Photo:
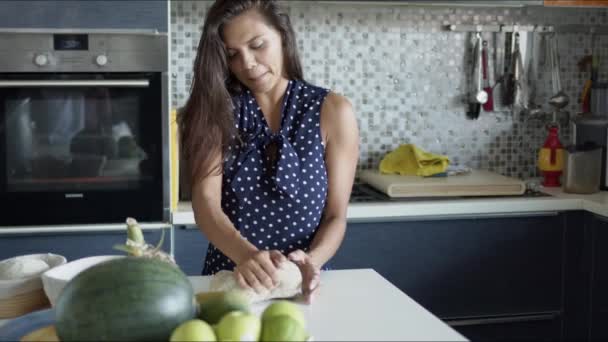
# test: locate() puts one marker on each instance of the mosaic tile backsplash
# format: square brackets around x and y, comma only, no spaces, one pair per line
[408,78]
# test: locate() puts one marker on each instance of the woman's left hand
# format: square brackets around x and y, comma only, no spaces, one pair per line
[311,274]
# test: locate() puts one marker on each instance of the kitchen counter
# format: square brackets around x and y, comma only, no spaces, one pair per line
[360,305]
[458,207]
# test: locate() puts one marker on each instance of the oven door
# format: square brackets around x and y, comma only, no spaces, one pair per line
[80,148]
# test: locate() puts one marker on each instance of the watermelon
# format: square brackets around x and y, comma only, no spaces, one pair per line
[126,299]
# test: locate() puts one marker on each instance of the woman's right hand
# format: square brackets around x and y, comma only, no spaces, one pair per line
[259,271]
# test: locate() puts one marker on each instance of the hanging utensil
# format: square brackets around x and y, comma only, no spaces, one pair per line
[532,74]
[499,55]
[520,84]
[560,99]
[479,96]
[499,66]
[488,106]
[508,76]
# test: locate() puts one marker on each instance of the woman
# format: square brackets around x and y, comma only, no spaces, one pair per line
[272,157]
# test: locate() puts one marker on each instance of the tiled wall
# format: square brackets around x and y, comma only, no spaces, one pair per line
[407,76]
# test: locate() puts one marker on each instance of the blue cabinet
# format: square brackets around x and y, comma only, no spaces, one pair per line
[598,328]
[190,249]
[465,267]
[543,327]
[73,245]
[487,276]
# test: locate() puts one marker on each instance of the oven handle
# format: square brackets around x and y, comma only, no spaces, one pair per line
[74,83]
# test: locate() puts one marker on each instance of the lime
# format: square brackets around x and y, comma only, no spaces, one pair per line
[213,306]
[193,330]
[239,326]
[283,328]
[284,307]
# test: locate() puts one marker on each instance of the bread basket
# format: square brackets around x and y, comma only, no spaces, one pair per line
[24,294]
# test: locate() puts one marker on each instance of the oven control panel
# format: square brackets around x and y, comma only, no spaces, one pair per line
[83,52]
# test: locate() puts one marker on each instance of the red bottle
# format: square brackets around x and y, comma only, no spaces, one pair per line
[551,159]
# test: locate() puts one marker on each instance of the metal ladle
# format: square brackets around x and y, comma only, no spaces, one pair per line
[481,96]
[478,96]
[560,99]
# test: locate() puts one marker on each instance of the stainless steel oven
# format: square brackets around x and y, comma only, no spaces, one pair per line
[83,127]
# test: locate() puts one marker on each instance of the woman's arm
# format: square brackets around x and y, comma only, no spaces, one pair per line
[214,223]
[339,125]
[254,268]
[341,136]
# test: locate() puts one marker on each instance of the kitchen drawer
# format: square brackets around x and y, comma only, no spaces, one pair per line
[74,245]
[190,247]
[541,327]
[598,330]
[465,267]
[599,326]
[600,263]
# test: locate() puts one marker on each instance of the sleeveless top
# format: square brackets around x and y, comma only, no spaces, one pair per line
[274,185]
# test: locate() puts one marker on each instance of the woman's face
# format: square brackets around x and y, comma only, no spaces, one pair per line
[255,51]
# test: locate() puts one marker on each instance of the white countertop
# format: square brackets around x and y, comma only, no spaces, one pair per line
[558,201]
[360,305]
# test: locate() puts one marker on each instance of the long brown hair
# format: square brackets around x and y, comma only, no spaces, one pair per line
[206,122]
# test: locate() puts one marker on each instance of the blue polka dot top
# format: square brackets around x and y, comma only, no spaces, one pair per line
[275,184]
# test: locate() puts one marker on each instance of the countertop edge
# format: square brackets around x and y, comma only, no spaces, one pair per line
[457,208]
[397,211]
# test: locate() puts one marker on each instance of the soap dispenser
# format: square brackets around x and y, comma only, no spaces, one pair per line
[551,159]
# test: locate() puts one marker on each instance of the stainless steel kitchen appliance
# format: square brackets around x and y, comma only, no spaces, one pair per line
[594,130]
[582,169]
[83,127]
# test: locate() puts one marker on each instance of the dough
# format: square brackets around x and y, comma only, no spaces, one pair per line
[290,284]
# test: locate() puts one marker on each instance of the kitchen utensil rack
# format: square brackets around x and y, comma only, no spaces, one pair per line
[593,29]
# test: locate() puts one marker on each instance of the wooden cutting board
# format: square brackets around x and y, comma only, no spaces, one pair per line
[476,183]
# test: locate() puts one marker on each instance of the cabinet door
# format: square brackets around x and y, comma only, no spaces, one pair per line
[576,3]
[599,280]
[190,248]
[466,267]
[544,327]
[74,245]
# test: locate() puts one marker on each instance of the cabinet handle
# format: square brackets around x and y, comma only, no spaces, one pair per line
[502,320]
[453,217]
[74,83]
[85,228]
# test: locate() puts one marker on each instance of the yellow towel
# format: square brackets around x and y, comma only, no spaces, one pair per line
[409,160]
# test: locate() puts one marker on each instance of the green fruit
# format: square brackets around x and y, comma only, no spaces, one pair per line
[239,326]
[193,330]
[125,299]
[203,297]
[283,328]
[284,307]
[216,306]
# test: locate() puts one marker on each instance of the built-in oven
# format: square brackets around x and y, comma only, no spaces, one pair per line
[83,127]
